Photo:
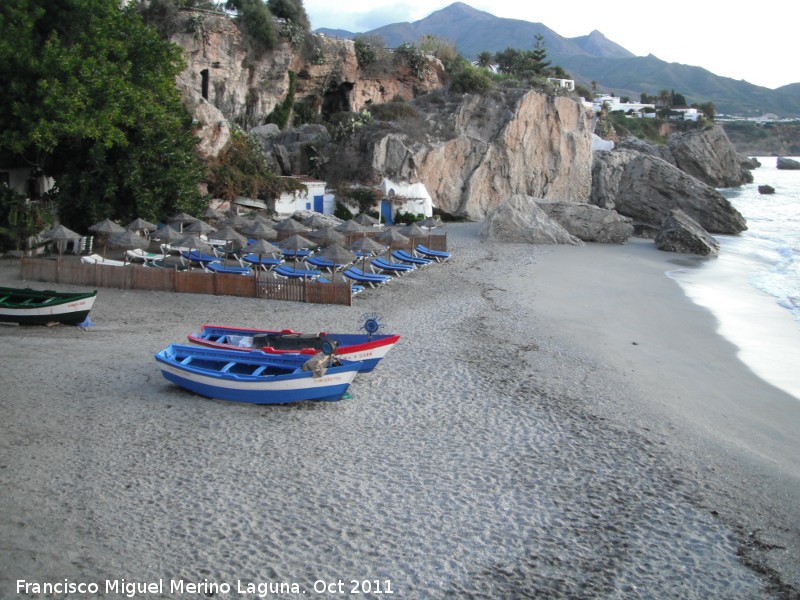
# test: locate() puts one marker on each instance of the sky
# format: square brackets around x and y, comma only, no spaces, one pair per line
[755,45]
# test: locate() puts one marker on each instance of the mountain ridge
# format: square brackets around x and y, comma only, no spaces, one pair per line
[589,58]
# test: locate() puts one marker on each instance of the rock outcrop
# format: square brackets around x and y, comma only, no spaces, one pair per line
[647,188]
[709,155]
[245,87]
[680,233]
[475,154]
[787,163]
[520,220]
[766,189]
[589,223]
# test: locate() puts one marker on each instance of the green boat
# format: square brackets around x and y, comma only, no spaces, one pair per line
[26,306]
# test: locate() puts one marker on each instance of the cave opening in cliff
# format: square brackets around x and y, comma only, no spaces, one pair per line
[336,99]
[204,83]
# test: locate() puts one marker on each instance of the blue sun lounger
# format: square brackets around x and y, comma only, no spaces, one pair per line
[436,255]
[406,257]
[266,262]
[397,268]
[293,273]
[373,280]
[217,267]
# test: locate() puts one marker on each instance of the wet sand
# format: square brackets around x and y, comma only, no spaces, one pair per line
[554,422]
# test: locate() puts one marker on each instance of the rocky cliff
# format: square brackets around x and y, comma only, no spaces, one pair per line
[473,152]
[243,87]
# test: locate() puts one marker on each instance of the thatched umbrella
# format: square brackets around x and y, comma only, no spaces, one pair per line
[199,227]
[326,235]
[338,254]
[262,247]
[214,214]
[61,235]
[295,242]
[232,237]
[290,226]
[127,240]
[366,247]
[260,231]
[351,227]
[365,219]
[138,225]
[237,222]
[393,238]
[167,235]
[413,230]
[315,221]
[105,229]
[182,219]
[193,241]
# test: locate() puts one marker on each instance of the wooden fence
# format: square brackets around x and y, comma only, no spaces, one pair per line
[137,277]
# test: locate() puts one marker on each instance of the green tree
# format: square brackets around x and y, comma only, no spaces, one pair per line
[91,101]
[291,10]
[255,19]
[485,59]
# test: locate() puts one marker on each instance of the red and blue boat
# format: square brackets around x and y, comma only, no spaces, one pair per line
[367,348]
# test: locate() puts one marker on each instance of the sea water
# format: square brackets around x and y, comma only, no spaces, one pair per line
[753,286]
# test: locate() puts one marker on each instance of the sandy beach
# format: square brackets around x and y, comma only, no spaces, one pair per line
[555,422]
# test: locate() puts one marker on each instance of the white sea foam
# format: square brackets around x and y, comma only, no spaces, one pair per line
[753,287]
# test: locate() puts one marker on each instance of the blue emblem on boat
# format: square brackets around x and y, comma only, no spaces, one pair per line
[372,324]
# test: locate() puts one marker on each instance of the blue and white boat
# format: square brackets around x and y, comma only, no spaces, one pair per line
[254,377]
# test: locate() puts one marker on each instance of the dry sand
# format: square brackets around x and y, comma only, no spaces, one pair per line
[554,422]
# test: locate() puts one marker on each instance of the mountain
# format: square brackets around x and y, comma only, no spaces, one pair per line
[590,58]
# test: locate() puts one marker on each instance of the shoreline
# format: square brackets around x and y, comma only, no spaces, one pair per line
[554,420]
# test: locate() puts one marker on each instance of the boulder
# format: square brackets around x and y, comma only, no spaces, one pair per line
[708,155]
[647,147]
[520,220]
[589,223]
[647,188]
[680,233]
[787,163]
[766,189]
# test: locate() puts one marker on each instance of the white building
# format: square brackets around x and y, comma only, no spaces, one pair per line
[566,84]
[635,109]
[311,199]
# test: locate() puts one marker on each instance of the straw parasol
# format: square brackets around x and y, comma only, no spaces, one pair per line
[61,235]
[138,225]
[237,222]
[338,254]
[182,219]
[193,241]
[199,227]
[365,219]
[127,240]
[260,231]
[326,235]
[261,247]
[231,237]
[394,238]
[295,242]
[366,247]
[289,225]
[413,230]
[214,214]
[351,227]
[315,221]
[167,235]
[105,229]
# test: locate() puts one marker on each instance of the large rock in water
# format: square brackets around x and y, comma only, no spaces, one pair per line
[520,220]
[680,233]
[647,188]
[709,155]
[787,163]
[589,223]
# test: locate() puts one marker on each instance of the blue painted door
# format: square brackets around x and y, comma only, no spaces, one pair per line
[318,204]
[386,212]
